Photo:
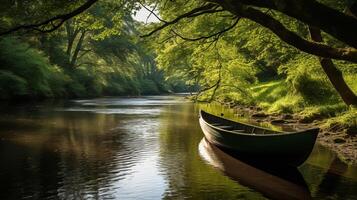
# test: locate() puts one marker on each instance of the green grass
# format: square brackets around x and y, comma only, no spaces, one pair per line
[351,81]
[269,92]
[345,120]
[274,97]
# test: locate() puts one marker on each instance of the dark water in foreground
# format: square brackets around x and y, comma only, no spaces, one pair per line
[142,148]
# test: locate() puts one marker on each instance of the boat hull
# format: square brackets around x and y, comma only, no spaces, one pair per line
[281,183]
[291,149]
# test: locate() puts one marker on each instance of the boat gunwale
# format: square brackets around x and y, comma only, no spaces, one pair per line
[280,133]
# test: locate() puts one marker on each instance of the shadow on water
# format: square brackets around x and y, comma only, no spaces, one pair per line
[275,183]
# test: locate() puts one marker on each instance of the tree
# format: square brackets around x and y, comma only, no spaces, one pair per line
[312,13]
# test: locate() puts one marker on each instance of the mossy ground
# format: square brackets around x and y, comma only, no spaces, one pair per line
[274,98]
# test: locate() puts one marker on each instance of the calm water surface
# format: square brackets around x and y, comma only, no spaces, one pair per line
[142,148]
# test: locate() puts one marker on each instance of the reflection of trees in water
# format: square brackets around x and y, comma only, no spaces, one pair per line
[333,185]
[325,174]
[186,174]
[65,154]
[26,172]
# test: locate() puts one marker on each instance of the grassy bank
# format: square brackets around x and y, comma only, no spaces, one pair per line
[273,97]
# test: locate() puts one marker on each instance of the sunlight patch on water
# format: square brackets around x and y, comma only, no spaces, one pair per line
[145,181]
[139,101]
[122,111]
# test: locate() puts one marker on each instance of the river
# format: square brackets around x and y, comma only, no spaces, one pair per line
[139,148]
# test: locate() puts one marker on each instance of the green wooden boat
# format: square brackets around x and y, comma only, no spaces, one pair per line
[256,143]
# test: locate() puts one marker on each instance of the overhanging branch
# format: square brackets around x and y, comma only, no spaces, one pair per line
[152,12]
[264,19]
[55,21]
[208,8]
[214,35]
[311,12]
[314,48]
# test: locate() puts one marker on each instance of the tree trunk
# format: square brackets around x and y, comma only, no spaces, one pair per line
[333,73]
[353,9]
[71,36]
[78,48]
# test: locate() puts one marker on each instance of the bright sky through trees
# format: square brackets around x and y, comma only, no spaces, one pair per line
[142,16]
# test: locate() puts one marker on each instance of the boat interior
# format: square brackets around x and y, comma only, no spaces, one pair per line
[235,127]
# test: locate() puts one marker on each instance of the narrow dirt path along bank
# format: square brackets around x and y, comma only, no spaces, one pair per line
[343,142]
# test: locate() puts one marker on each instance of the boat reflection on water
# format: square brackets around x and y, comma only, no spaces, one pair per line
[274,183]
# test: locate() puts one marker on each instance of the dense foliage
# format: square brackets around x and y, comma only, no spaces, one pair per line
[96,53]
[248,64]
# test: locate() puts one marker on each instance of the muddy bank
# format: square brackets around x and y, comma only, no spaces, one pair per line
[340,141]
[343,144]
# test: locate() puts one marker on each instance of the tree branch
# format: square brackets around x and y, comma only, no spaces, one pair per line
[151,13]
[217,34]
[84,52]
[292,38]
[264,19]
[60,18]
[202,10]
[311,12]
[218,82]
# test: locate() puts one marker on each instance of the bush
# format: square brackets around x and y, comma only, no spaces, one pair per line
[114,89]
[12,85]
[313,89]
[27,64]
[305,77]
[75,89]
[148,87]
[58,81]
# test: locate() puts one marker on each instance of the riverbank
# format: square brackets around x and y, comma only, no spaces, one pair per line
[334,135]
[281,103]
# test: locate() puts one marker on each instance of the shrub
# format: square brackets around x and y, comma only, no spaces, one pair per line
[28,64]
[12,85]
[305,77]
[148,87]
